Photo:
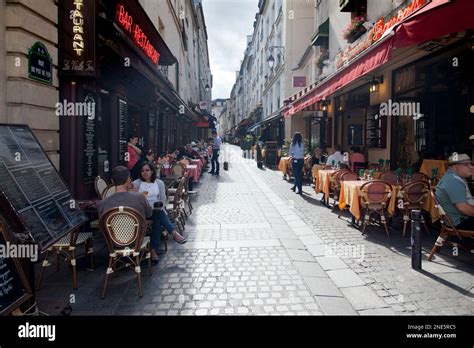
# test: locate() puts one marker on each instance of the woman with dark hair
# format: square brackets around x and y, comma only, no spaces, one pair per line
[297,160]
[155,192]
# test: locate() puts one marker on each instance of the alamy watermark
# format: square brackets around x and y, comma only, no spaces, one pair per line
[408,109]
[78,109]
[22,251]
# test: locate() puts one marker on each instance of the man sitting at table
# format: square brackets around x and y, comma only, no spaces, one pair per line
[190,152]
[337,157]
[453,192]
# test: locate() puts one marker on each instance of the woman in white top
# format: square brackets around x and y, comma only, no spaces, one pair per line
[297,160]
[155,192]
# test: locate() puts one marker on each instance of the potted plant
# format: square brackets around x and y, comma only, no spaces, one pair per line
[355,29]
[247,142]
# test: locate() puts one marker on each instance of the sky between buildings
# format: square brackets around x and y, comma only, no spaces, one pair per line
[228,24]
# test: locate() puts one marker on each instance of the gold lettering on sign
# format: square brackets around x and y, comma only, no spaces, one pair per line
[78,44]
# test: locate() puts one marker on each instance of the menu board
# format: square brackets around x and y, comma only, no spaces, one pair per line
[14,289]
[34,188]
[123,127]
[375,128]
[90,167]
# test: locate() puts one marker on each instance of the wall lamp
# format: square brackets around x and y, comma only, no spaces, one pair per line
[375,83]
[324,105]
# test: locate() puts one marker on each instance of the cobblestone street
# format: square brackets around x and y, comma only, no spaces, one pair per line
[254,247]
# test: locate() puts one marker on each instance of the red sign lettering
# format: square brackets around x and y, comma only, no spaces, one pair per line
[137,35]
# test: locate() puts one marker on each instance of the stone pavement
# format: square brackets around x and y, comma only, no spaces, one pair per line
[257,248]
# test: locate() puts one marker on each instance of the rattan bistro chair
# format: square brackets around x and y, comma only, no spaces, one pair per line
[374,199]
[66,247]
[178,169]
[389,177]
[413,196]
[100,184]
[448,229]
[124,232]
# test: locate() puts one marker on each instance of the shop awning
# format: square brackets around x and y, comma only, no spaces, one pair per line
[436,19]
[378,55]
[245,122]
[272,118]
[321,35]
[202,122]
[253,128]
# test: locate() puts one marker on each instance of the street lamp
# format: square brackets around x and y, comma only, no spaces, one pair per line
[271,59]
[207,88]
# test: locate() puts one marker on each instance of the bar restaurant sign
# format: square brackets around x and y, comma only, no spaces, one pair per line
[40,64]
[380,28]
[132,28]
[77,37]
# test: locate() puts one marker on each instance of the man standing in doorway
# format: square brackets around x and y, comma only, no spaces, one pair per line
[216,146]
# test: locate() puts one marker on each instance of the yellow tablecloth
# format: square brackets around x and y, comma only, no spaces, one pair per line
[283,164]
[428,164]
[324,181]
[350,195]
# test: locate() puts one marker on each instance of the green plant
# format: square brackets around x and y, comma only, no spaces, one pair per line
[247,142]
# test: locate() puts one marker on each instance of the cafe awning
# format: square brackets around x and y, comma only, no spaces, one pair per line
[253,128]
[321,35]
[434,20]
[245,122]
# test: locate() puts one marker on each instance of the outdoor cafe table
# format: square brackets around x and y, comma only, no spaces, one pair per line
[324,181]
[350,195]
[429,164]
[199,163]
[191,171]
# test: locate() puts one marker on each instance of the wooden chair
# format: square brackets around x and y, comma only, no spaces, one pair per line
[124,231]
[374,199]
[389,177]
[109,191]
[349,176]
[419,177]
[178,169]
[448,229]
[67,247]
[175,206]
[335,185]
[100,184]
[413,195]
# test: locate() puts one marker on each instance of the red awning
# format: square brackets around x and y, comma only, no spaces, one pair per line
[438,18]
[368,62]
[202,122]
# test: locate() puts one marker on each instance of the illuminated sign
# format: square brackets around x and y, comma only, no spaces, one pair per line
[78,27]
[136,33]
[376,33]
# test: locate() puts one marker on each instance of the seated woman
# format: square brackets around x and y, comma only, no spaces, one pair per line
[318,157]
[155,192]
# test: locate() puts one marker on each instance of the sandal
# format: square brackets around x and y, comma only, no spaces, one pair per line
[181,241]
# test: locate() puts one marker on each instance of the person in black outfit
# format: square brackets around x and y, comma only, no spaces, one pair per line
[318,157]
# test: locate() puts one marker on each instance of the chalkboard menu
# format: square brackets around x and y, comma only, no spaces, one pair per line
[375,128]
[90,165]
[123,128]
[355,135]
[14,288]
[34,188]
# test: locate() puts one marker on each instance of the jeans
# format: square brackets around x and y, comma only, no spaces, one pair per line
[214,161]
[298,173]
[160,218]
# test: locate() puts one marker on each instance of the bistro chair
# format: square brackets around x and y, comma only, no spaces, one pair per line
[419,177]
[448,229]
[175,206]
[178,169]
[413,195]
[389,177]
[124,232]
[348,176]
[159,170]
[289,169]
[100,184]
[109,191]
[66,247]
[335,185]
[374,199]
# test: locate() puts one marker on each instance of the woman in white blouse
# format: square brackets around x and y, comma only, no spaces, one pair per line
[155,191]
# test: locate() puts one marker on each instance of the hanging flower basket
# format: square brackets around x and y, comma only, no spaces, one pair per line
[355,29]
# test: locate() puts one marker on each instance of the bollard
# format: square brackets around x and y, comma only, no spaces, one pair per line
[416,239]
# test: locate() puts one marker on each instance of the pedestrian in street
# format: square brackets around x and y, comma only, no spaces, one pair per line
[216,147]
[297,159]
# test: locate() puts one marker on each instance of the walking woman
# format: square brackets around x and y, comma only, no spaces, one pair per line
[297,158]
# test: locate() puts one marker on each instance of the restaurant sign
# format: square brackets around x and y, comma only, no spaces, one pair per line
[77,37]
[377,32]
[40,64]
[134,31]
